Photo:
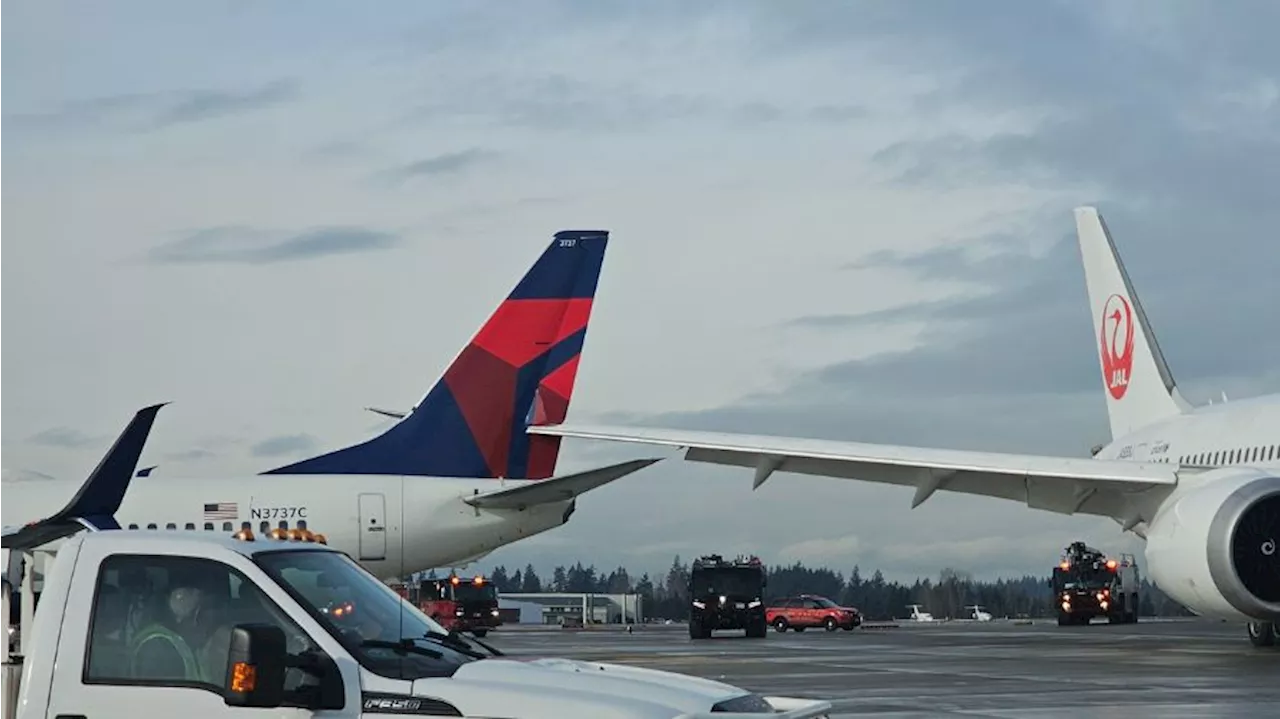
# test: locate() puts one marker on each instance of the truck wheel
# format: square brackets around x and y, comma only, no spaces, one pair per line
[697,631]
[757,629]
[1262,634]
[780,624]
[831,624]
[1064,620]
[479,633]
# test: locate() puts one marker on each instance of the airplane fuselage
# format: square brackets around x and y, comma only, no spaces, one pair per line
[392,525]
[1243,432]
[1204,442]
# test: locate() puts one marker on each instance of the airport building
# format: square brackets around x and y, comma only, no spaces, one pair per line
[569,608]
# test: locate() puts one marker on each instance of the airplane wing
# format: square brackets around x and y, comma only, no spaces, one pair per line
[1060,484]
[94,506]
[556,489]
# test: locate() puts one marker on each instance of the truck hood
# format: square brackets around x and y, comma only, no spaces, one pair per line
[552,687]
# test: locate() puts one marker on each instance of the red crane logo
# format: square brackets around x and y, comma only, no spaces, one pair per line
[1116,343]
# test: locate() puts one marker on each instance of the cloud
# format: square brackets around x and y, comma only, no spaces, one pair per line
[202,105]
[284,444]
[140,112]
[191,455]
[23,475]
[445,164]
[63,437]
[819,552]
[246,245]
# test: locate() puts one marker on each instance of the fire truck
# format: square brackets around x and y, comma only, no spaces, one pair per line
[1087,584]
[464,605]
[727,594]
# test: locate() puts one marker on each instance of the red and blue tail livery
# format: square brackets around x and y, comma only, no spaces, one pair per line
[518,370]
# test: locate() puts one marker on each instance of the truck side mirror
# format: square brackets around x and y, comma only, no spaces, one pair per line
[255,666]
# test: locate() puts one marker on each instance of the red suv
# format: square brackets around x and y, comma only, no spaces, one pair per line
[807,610]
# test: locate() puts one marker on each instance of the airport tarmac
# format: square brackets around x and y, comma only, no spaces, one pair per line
[997,669]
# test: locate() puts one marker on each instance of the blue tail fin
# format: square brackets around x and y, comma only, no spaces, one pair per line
[94,506]
[518,370]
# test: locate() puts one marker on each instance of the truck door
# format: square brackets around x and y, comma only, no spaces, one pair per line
[373,529]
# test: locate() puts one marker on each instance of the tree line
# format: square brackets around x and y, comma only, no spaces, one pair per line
[666,597]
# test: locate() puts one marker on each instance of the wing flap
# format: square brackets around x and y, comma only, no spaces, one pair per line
[557,489]
[1061,484]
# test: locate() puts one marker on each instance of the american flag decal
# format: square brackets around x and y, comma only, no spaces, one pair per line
[221,510]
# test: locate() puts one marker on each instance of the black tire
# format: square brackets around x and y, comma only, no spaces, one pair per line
[831,624]
[758,629]
[1262,634]
[479,633]
[696,631]
[780,624]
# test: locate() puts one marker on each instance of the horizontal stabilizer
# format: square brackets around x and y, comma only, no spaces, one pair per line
[557,489]
[394,414]
[95,505]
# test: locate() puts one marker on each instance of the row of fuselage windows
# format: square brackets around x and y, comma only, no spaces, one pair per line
[1223,457]
[263,527]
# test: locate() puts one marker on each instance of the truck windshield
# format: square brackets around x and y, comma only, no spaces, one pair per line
[468,592]
[731,582]
[385,633]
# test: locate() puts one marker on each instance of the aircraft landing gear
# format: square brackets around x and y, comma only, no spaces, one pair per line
[1262,634]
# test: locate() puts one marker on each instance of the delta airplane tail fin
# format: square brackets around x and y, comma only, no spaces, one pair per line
[1139,385]
[517,371]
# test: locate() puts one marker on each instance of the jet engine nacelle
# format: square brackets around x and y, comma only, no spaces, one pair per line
[1212,546]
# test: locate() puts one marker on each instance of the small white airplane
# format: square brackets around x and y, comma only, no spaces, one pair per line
[1200,484]
[917,615]
[977,615]
[454,479]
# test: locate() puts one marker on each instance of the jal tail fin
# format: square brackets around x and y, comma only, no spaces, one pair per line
[1139,386]
[518,370]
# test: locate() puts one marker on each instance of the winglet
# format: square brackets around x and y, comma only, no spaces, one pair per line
[94,506]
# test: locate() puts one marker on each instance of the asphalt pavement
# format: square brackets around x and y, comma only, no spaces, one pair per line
[1170,669]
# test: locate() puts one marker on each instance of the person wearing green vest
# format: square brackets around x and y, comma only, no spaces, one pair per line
[164,647]
[158,652]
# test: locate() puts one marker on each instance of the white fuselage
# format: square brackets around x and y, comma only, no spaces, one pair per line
[393,525]
[1243,434]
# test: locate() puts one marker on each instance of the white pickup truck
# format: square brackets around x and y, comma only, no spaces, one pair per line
[173,624]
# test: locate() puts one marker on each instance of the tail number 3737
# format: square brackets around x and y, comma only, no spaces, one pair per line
[278,512]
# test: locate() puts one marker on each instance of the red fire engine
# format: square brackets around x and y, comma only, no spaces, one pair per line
[459,604]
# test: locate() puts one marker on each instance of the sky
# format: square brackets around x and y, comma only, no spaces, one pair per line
[847,221]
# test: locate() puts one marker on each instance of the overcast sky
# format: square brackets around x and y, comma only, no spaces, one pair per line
[845,221]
